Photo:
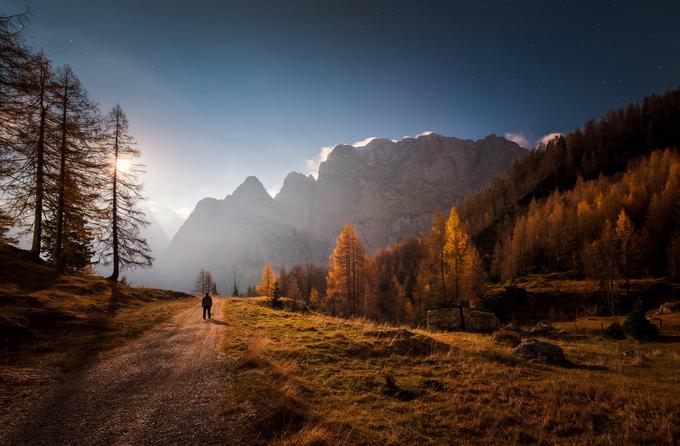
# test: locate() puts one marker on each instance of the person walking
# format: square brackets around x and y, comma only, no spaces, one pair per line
[207,304]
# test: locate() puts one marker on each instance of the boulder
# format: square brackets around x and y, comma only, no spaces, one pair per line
[448,319]
[512,327]
[669,307]
[546,330]
[480,321]
[401,342]
[445,319]
[533,349]
[541,329]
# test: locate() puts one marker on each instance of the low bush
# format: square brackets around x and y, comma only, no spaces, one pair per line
[637,326]
[614,331]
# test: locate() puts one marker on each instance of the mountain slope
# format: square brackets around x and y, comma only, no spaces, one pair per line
[387,189]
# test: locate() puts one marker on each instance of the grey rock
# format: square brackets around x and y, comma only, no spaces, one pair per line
[533,349]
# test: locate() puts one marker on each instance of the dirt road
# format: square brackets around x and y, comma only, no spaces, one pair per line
[161,388]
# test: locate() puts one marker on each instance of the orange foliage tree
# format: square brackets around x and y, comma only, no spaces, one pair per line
[347,275]
[267,281]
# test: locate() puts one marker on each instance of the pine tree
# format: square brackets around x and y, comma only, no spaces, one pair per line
[275,294]
[122,243]
[235,291]
[283,280]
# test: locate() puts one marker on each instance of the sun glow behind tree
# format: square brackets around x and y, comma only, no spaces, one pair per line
[123,165]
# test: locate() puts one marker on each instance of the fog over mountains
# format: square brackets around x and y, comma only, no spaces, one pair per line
[388,189]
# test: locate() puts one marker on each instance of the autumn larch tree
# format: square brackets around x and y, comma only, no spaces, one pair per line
[122,242]
[347,275]
[28,123]
[463,262]
[74,180]
[436,242]
[267,281]
[625,234]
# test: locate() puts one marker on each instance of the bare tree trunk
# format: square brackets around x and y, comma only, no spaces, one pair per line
[443,276]
[58,248]
[40,166]
[116,255]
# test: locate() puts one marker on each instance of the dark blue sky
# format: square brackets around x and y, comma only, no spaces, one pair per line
[216,91]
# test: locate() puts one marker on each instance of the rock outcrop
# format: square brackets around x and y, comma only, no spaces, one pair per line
[448,319]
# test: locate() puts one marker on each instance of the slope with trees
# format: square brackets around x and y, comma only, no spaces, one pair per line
[602,147]
[60,182]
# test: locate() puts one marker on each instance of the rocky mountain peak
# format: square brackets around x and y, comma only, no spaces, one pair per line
[251,189]
[387,189]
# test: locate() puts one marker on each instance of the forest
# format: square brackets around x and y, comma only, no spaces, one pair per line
[69,175]
[599,204]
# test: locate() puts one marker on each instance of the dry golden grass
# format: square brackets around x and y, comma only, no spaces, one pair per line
[316,380]
[50,324]
[75,315]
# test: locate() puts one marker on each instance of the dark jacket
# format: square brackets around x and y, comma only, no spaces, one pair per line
[207,301]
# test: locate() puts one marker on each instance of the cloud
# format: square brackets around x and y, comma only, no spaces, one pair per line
[525,142]
[519,139]
[547,138]
[364,142]
[313,164]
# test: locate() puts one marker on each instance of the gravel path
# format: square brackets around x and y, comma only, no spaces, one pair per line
[161,388]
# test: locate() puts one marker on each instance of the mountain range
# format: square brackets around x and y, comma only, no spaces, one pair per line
[387,189]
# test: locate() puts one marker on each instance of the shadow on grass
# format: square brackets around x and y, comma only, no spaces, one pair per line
[98,331]
[668,339]
[573,365]
[218,322]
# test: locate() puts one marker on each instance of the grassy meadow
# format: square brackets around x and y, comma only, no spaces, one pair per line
[310,379]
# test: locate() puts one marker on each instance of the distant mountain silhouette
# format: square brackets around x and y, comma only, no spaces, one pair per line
[388,189]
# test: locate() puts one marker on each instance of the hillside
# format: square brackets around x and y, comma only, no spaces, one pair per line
[388,189]
[601,148]
[307,379]
[50,325]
